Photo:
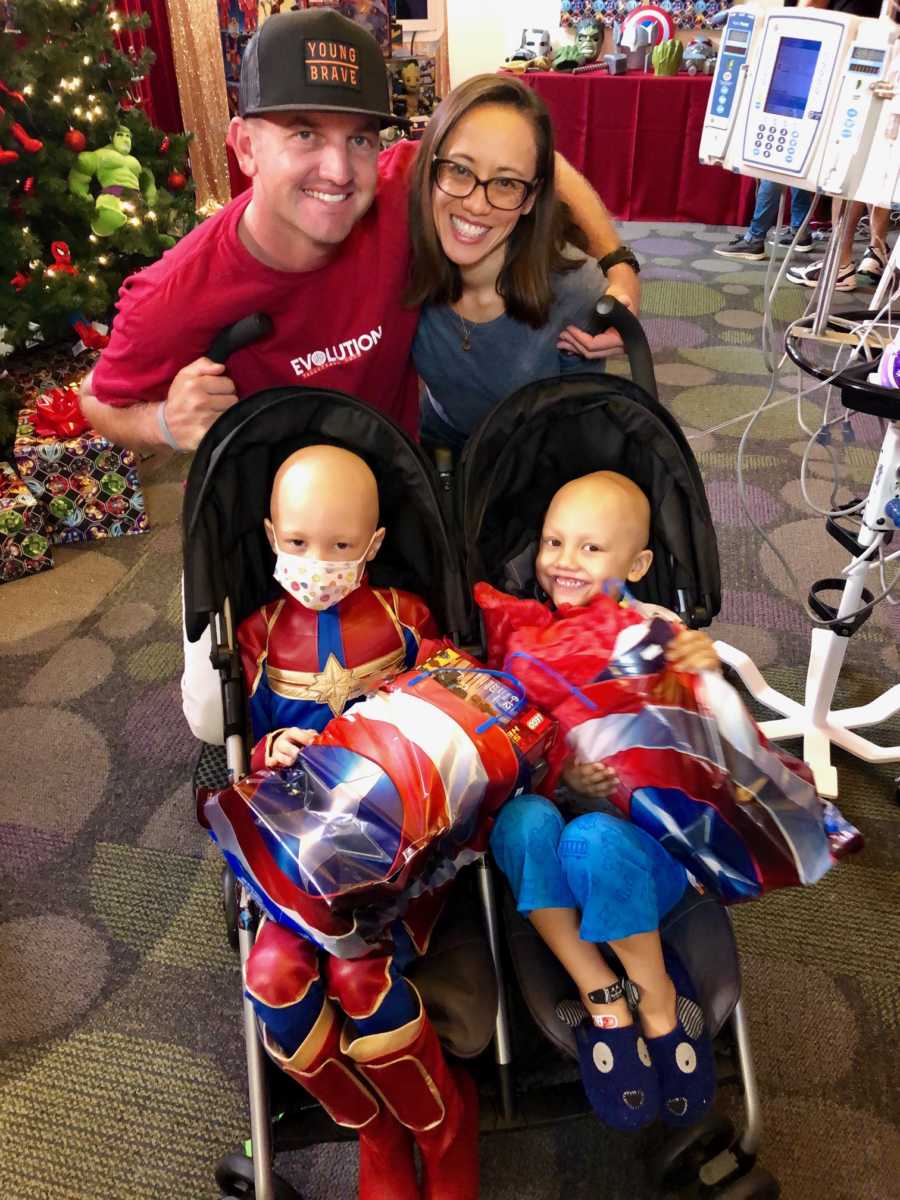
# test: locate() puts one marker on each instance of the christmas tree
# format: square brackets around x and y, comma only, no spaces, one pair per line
[90,191]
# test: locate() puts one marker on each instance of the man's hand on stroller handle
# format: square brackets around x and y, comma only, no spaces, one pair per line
[199,393]
[286,745]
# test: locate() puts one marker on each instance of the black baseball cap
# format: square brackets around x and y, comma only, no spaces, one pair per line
[315,59]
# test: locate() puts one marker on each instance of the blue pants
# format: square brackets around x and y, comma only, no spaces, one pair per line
[617,876]
[765,214]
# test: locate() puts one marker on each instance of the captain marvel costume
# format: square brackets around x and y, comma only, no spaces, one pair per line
[351,1029]
[303,667]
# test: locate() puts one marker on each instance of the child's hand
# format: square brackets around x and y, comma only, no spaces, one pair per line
[287,745]
[691,650]
[590,779]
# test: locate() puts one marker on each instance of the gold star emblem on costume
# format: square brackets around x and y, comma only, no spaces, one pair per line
[334,685]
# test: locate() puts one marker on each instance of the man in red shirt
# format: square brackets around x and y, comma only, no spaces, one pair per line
[320,244]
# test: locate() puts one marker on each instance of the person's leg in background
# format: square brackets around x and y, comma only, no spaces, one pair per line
[846,276]
[801,202]
[874,261]
[752,243]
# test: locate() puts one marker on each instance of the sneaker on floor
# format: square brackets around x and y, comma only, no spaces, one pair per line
[741,247]
[872,263]
[806,246]
[809,276]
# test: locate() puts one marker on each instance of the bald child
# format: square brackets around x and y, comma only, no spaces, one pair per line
[598,879]
[330,638]
[333,1023]
[595,534]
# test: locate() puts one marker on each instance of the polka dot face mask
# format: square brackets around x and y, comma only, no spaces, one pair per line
[318,584]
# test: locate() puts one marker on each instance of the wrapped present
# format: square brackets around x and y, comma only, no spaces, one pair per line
[391,799]
[24,544]
[89,487]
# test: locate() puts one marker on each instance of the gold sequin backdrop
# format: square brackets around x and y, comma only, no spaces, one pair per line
[197,50]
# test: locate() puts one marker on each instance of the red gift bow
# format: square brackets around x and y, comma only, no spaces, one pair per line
[57,413]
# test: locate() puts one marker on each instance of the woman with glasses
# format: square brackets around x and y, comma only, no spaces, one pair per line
[496,264]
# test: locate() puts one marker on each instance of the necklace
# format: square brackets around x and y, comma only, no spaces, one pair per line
[467,328]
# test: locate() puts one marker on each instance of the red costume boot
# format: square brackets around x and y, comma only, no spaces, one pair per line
[386,1166]
[439,1104]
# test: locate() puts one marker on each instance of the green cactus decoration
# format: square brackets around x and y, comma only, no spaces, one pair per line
[667,57]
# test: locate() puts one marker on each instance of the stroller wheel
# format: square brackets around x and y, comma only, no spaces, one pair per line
[678,1163]
[757,1184]
[234,1175]
[230,906]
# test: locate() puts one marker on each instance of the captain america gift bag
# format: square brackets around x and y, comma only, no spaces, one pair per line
[392,798]
[693,768]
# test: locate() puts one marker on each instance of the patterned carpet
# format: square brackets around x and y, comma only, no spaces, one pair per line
[122,1074]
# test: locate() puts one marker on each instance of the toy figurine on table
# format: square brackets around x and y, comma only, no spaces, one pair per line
[584,51]
[327,982]
[699,56]
[533,48]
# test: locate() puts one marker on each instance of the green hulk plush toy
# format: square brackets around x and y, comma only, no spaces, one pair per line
[121,177]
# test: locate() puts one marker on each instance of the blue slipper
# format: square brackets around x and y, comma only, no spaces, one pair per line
[618,1075]
[684,1061]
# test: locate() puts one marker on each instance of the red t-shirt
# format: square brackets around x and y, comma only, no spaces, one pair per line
[341,326]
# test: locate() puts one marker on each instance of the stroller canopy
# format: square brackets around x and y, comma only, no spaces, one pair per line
[554,431]
[225,548]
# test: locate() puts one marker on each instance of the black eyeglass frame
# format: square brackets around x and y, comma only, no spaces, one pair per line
[530,186]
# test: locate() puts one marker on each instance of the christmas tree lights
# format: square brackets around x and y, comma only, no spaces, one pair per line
[67,84]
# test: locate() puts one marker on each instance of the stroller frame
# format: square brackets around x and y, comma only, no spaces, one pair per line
[729,1158]
[721,1156]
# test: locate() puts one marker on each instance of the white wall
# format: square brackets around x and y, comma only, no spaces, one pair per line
[482,33]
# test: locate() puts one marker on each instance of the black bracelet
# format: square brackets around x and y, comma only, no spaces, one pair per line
[622,255]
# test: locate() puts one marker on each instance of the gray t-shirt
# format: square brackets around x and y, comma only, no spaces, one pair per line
[504,355]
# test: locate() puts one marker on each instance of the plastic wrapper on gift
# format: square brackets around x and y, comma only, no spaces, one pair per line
[89,487]
[24,544]
[693,768]
[389,802]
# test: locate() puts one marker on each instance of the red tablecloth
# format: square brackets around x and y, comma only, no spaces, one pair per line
[636,138]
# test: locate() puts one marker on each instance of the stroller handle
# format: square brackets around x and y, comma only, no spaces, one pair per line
[610,314]
[242,333]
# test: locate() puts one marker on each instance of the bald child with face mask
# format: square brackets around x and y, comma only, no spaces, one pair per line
[352,1031]
[331,638]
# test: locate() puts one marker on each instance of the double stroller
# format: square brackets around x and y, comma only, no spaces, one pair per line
[447,529]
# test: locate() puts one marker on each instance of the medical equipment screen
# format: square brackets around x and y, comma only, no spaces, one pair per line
[795,65]
[738,40]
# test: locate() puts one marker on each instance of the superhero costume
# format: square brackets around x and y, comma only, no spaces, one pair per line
[382,1070]
[302,668]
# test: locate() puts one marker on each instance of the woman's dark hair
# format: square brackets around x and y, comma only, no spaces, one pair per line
[534,249]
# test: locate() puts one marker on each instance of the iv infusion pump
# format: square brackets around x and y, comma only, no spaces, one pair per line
[792,101]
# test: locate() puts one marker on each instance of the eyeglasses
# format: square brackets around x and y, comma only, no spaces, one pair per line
[502,192]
